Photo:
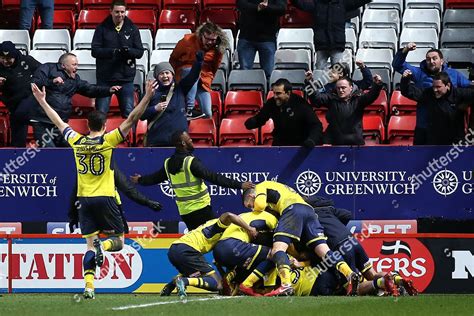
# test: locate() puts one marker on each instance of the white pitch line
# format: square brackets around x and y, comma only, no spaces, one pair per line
[121,308]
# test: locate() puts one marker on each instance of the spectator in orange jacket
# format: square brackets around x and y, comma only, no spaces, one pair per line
[212,40]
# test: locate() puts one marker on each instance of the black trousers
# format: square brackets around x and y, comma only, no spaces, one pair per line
[421,136]
[198,217]
[19,121]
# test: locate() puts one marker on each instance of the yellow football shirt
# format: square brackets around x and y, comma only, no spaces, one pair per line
[276,196]
[303,279]
[262,221]
[95,176]
[205,237]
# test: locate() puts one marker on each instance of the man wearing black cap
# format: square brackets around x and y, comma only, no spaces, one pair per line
[16,71]
[166,112]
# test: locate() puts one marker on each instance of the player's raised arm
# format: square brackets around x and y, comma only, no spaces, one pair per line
[40,96]
[140,108]
[229,218]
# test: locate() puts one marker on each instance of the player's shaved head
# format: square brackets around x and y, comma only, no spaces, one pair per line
[176,138]
[96,121]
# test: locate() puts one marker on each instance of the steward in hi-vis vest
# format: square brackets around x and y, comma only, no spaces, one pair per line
[187,174]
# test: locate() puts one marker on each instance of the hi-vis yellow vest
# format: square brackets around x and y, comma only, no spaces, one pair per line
[191,192]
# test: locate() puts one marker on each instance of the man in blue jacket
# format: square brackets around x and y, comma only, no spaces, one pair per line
[166,112]
[116,45]
[422,76]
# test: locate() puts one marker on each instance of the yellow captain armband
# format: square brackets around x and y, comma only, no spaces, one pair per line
[220,224]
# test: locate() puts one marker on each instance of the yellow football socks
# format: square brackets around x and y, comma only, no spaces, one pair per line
[107,245]
[344,268]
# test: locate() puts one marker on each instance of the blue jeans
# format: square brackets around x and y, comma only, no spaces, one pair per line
[27,9]
[197,93]
[124,96]
[266,53]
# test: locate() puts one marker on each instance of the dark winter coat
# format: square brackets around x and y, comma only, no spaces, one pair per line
[175,165]
[345,118]
[18,84]
[424,79]
[116,52]
[295,123]
[174,117]
[445,116]
[266,21]
[59,96]
[329,20]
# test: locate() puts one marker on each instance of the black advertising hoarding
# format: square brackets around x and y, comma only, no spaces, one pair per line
[454,261]
[436,264]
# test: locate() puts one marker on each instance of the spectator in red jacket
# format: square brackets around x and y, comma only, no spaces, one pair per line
[212,40]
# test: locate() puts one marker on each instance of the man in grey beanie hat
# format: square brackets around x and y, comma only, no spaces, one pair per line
[166,112]
[16,71]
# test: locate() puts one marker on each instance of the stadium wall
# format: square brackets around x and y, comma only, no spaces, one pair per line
[437,263]
[372,182]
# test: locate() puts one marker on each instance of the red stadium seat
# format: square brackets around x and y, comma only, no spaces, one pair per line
[143,5]
[89,19]
[143,19]
[4,131]
[3,109]
[233,133]
[298,92]
[79,125]
[30,139]
[242,101]
[96,4]
[194,5]
[216,105]
[73,5]
[401,130]
[114,108]
[226,19]
[203,132]
[459,4]
[82,105]
[266,138]
[219,4]
[63,19]
[113,123]
[140,132]
[296,18]
[177,19]
[322,118]
[11,4]
[401,104]
[373,129]
[379,106]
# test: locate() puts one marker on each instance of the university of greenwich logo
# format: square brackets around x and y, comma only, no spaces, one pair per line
[167,189]
[362,182]
[308,183]
[445,182]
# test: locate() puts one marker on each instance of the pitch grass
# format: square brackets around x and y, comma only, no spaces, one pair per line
[106,304]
